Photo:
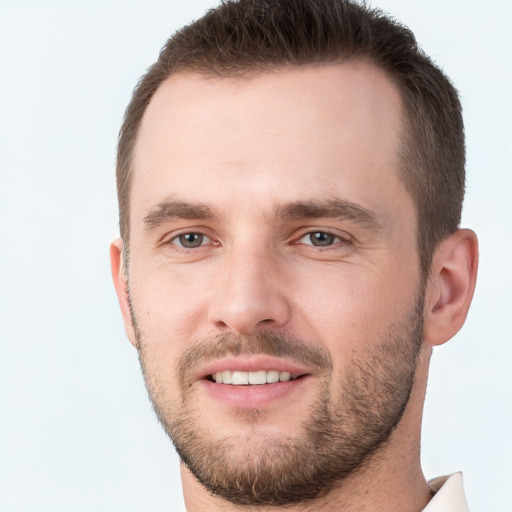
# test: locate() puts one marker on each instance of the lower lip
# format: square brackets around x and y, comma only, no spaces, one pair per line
[255,396]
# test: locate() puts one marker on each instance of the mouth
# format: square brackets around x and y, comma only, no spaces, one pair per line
[251,371]
[252,382]
[252,378]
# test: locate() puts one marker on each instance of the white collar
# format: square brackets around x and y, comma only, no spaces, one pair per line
[449,494]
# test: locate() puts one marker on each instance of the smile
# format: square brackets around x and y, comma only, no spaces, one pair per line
[259,377]
[253,381]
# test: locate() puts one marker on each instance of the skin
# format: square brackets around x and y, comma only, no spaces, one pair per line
[245,148]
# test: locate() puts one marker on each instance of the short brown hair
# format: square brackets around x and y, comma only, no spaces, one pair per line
[245,37]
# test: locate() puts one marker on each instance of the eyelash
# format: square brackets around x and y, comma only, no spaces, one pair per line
[337,239]
[203,236]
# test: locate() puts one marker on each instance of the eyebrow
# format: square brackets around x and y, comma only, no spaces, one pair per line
[170,210]
[332,209]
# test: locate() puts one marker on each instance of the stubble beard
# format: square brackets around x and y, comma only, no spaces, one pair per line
[352,418]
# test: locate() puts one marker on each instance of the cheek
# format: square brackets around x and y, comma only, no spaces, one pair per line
[352,307]
[168,305]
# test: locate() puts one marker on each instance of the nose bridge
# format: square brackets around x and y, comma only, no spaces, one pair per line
[248,295]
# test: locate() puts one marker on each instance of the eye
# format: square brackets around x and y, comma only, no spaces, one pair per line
[320,239]
[190,240]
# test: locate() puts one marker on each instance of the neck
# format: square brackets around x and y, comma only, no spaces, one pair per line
[390,481]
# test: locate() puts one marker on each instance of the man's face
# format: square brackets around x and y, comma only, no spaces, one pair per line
[272,239]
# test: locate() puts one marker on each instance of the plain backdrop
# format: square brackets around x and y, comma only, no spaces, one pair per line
[77,431]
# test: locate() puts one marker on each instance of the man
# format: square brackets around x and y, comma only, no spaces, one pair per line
[290,179]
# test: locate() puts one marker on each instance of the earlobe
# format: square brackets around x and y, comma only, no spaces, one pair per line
[119,278]
[450,286]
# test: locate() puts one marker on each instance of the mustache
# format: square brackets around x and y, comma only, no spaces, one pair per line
[270,343]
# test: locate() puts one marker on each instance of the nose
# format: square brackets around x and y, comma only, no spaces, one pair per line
[250,294]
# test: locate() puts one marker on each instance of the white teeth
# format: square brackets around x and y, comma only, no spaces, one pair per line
[272,376]
[259,377]
[256,378]
[284,376]
[240,378]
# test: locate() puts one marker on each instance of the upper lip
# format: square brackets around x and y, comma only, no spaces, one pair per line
[251,363]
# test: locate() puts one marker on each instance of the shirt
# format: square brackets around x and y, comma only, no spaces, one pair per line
[449,494]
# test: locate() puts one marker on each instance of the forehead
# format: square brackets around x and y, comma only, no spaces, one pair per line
[290,132]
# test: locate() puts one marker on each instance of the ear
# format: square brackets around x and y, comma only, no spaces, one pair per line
[121,285]
[450,286]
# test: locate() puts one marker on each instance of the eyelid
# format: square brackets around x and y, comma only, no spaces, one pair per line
[170,238]
[205,241]
[343,236]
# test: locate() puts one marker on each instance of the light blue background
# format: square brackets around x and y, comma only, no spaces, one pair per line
[77,431]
